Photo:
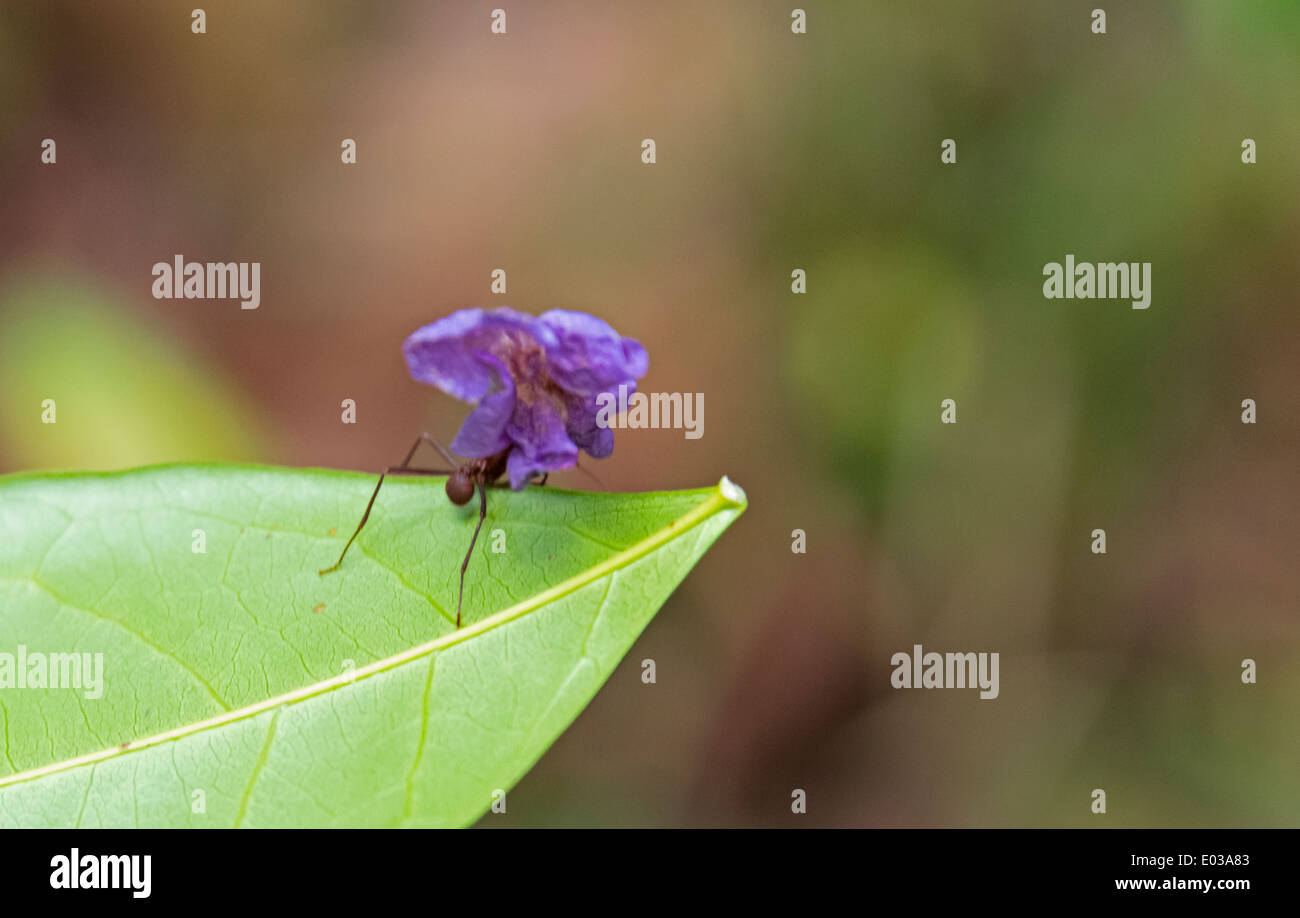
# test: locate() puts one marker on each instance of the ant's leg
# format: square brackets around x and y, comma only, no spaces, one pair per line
[482,515]
[427,438]
[392,470]
[403,468]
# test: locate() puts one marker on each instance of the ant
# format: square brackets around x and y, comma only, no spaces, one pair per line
[463,479]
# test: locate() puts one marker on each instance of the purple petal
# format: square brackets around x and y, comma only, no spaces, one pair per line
[580,422]
[588,355]
[449,353]
[484,431]
[541,442]
[534,382]
[636,357]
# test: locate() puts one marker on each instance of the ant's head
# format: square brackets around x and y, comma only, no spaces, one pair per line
[460,487]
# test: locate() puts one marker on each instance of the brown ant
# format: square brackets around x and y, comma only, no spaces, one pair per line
[463,479]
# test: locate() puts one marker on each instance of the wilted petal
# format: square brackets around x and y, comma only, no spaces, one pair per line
[588,355]
[636,358]
[534,381]
[541,442]
[484,431]
[449,353]
[580,422]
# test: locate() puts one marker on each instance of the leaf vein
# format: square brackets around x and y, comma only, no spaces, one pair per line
[257,768]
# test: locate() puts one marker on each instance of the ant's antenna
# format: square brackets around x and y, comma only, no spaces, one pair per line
[590,474]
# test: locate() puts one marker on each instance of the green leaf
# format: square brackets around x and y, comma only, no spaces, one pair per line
[241,688]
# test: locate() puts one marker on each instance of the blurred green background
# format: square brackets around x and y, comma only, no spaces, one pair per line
[775,152]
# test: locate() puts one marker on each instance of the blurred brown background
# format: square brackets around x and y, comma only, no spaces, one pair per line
[775,152]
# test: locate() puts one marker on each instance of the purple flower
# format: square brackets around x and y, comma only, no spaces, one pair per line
[534,381]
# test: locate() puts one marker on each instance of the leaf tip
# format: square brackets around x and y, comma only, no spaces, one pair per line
[732,493]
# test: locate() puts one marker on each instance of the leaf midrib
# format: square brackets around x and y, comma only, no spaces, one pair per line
[722,496]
